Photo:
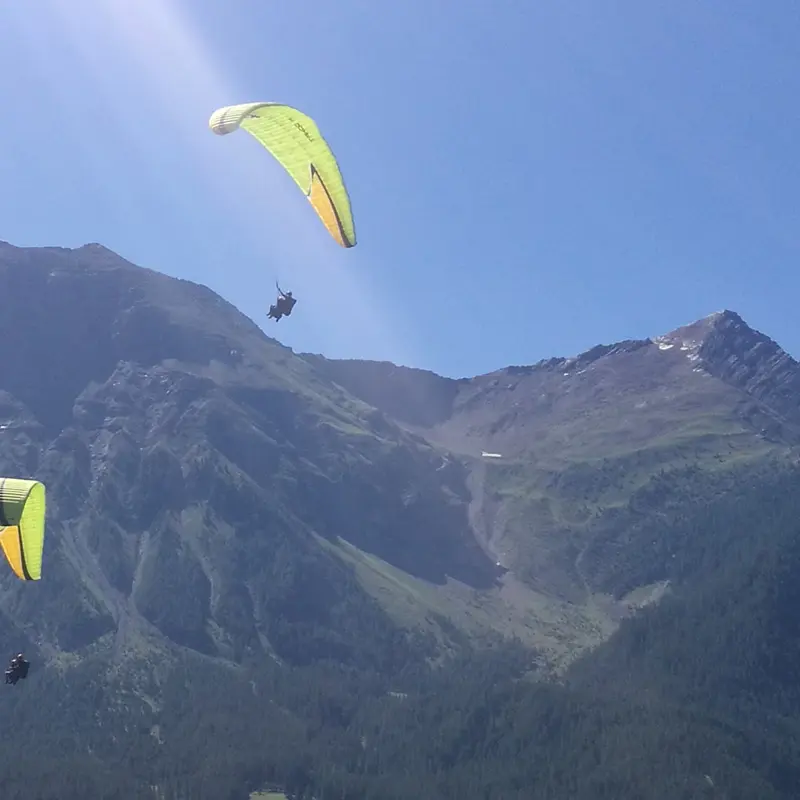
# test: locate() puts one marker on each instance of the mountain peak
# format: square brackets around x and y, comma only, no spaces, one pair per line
[724,334]
[697,331]
[690,338]
[716,337]
[726,347]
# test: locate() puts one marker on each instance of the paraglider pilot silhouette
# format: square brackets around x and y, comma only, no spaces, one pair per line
[17,668]
[283,305]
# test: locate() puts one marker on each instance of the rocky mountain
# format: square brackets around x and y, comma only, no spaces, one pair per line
[590,447]
[224,512]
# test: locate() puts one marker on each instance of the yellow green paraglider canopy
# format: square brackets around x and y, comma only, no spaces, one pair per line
[295,141]
[22,513]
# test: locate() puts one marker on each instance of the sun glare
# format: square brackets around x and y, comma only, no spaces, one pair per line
[157,80]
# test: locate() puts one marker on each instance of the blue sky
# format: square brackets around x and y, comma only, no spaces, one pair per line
[528,179]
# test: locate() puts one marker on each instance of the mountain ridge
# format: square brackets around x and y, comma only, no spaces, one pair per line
[569,429]
[716,340]
[317,533]
[174,333]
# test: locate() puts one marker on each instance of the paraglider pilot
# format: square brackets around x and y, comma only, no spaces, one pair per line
[283,305]
[17,668]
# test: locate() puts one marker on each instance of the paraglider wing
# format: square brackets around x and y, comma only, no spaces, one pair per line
[22,514]
[295,141]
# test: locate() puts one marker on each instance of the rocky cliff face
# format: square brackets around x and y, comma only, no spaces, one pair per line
[727,348]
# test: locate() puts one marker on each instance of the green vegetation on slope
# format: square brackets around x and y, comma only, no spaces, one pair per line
[694,697]
[257,582]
